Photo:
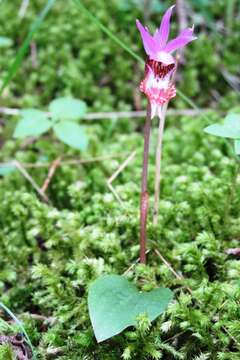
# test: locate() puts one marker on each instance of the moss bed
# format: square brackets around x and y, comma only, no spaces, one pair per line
[50,253]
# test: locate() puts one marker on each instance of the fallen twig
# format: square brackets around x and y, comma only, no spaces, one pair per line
[51,172]
[23,8]
[24,172]
[116,115]
[116,173]
[134,264]
[179,277]
[64,163]
[34,59]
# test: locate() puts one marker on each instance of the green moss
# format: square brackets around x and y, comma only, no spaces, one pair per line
[85,233]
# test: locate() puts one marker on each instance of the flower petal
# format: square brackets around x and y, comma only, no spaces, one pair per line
[185,37]
[161,35]
[164,57]
[147,39]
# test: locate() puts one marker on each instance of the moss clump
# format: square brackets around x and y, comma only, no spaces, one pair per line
[86,233]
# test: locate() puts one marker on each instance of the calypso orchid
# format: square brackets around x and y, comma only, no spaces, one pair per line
[160,64]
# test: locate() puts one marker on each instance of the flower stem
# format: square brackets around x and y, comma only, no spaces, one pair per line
[144,192]
[159,150]
[158,164]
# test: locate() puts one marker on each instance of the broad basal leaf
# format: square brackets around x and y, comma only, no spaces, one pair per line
[67,108]
[71,134]
[114,304]
[32,123]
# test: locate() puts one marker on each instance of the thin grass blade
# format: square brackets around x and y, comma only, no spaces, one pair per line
[20,325]
[23,49]
[107,31]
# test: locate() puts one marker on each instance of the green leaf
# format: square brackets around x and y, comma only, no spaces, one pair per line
[5,42]
[68,108]
[71,134]
[229,129]
[114,304]
[232,119]
[33,123]
[237,147]
[6,169]
[224,130]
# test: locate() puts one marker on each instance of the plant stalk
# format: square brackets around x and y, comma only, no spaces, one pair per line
[159,150]
[158,164]
[144,205]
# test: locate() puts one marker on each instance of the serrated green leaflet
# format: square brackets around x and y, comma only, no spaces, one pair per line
[33,123]
[71,134]
[114,304]
[67,108]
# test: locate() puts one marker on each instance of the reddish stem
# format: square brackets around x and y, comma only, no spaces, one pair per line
[144,194]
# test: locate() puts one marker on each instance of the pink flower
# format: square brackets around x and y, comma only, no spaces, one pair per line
[160,63]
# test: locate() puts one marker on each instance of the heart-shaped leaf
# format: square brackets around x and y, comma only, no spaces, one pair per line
[67,108]
[114,304]
[71,134]
[229,129]
[33,123]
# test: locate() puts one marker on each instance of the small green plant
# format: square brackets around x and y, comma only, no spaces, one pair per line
[62,119]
